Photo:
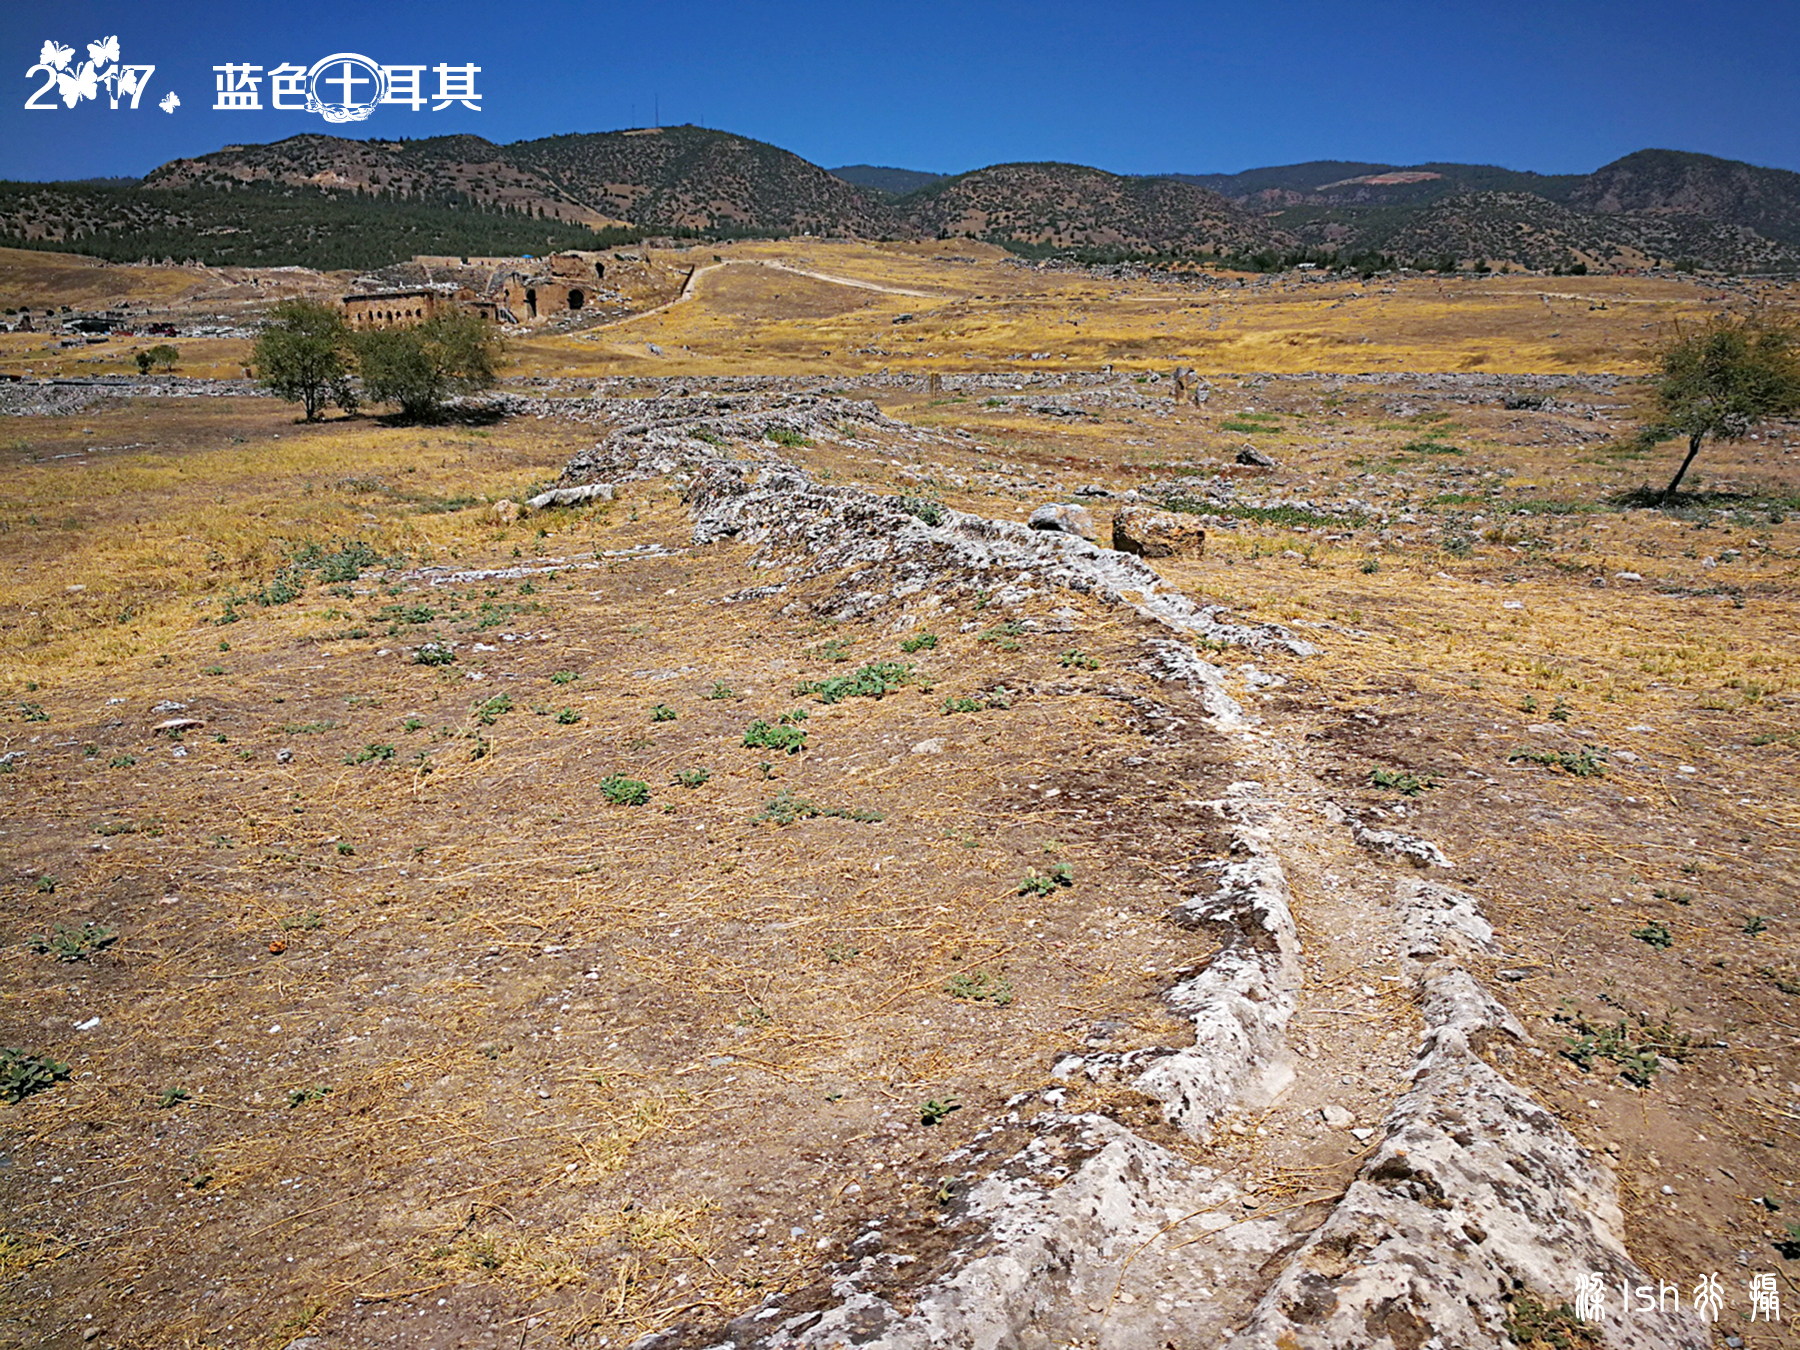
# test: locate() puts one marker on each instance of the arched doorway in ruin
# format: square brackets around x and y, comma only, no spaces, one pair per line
[531,301]
[576,299]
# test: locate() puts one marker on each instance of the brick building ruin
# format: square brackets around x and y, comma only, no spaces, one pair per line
[392,309]
[561,283]
[520,290]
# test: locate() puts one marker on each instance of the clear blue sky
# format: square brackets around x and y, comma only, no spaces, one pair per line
[1135,88]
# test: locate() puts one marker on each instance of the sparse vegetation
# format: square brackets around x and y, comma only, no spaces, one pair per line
[623,791]
[1035,883]
[875,680]
[73,944]
[1638,1054]
[981,987]
[1398,780]
[786,808]
[22,1074]
[788,739]
[1583,763]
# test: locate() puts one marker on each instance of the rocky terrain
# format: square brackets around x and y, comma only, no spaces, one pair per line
[760,843]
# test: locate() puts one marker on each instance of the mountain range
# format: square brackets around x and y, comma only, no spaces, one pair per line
[312,199]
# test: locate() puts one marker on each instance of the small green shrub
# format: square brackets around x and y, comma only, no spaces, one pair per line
[1003,635]
[962,705]
[301,1096]
[932,1112]
[564,677]
[1397,780]
[22,1074]
[1638,1057]
[923,642]
[497,706]
[1060,874]
[433,654]
[875,680]
[73,944]
[1583,763]
[284,588]
[782,436]
[923,509]
[568,717]
[981,987]
[692,778]
[1656,933]
[786,808]
[761,736]
[1076,659]
[662,712]
[370,753]
[623,791]
[721,690]
[1537,1326]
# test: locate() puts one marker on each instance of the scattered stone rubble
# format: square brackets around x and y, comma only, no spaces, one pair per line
[879,551]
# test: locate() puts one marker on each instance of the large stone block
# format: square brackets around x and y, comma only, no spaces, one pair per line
[1065,518]
[1157,534]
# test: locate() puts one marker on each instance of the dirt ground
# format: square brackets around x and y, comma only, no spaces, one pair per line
[415,1025]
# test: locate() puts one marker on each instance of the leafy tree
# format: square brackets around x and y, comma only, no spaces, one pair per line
[419,368]
[304,355]
[1722,379]
[161,355]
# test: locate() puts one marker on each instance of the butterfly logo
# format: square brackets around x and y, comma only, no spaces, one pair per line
[169,102]
[84,83]
[73,83]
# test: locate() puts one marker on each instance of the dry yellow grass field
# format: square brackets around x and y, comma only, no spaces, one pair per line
[408,1032]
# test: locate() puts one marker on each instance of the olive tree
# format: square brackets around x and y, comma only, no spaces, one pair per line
[1722,379]
[419,368]
[304,355]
